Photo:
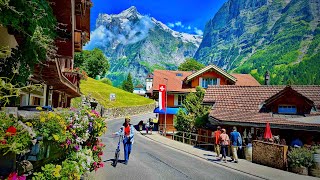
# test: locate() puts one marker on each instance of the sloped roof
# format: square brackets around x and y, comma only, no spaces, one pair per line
[245,80]
[211,67]
[174,80]
[242,103]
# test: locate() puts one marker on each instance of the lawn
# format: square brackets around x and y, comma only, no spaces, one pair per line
[101,92]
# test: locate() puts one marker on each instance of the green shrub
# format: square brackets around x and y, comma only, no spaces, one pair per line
[299,157]
[106,81]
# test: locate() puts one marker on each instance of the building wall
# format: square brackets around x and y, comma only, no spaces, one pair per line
[212,74]
[170,100]
[148,84]
[169,121]
[291,99]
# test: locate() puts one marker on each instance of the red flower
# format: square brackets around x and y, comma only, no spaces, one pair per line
[3,141]
[11,131]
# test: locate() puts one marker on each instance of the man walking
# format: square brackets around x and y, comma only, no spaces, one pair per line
[236,141]
[216,139]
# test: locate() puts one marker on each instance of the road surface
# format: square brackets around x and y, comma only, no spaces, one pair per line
[150,160]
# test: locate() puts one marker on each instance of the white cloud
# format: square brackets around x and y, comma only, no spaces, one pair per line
[198,31]
[189,27]
[128,33]
[178,23]
[171,25]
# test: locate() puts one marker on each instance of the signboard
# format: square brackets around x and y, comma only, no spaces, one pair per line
[112,97]
[162,96]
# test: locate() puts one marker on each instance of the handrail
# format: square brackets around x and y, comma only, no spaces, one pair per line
[191,138]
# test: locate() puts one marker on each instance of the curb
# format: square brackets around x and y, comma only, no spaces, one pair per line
[261,177]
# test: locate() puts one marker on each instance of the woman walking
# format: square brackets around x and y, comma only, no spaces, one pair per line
[224,141]
[127,130]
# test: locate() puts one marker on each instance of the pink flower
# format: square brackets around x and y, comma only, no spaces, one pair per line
[94,148]
[76,147]
[101,164]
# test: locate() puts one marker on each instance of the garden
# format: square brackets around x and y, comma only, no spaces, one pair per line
[56,145]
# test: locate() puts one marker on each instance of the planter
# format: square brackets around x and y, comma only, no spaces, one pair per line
[300,170]
[10,110]
[316,158]
[7,164]
[315,172]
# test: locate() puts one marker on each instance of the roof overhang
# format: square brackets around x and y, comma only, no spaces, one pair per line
[288,126]
[211,67]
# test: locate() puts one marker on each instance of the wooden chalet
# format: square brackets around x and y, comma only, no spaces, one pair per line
[60,81]
[292,111]
[180,83]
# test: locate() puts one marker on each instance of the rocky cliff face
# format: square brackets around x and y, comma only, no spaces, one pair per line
[253,36]
[139,44]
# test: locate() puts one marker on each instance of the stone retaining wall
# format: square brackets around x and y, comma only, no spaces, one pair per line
[127,111]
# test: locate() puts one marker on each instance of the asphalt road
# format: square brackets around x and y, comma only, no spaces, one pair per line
[150,160]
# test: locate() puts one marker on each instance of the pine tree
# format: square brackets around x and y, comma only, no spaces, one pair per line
[127,84]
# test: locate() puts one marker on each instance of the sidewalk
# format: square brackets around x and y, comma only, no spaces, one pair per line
[243,166]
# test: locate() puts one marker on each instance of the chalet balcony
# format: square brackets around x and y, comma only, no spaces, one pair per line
[78,40]
[73,75]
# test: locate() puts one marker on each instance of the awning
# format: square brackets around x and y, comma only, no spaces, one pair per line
[169,110]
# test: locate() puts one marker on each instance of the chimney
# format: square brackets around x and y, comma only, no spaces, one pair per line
[267,78]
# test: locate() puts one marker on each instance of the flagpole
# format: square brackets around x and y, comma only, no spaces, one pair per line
[165,112]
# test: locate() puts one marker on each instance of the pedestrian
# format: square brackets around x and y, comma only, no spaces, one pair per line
[236,142]
[147,127]
[127,130]
[224,142]
[216,138]
[151,125]
[140,124]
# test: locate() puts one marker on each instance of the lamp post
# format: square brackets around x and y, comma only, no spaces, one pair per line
[165,112]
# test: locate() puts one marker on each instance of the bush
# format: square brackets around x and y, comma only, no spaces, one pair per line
[106,81]
[299,157]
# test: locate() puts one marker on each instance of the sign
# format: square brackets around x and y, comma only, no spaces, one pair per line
[162,96]
[112,97]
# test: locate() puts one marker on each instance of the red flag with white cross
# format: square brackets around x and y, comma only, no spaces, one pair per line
[162,96]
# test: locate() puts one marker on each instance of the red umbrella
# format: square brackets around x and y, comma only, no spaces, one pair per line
[267,132]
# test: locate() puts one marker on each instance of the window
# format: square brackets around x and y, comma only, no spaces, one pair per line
[179,74]
[36,101]
[208,81]
[287,109]
[180,99]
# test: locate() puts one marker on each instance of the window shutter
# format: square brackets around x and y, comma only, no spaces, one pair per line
[200,82]
[218,81]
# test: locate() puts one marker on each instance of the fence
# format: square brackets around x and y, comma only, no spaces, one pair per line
[203,140]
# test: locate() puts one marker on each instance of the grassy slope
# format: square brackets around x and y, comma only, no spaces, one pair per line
[101,93]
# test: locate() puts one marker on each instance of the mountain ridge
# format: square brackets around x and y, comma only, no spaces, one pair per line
[255,36]
[139,44]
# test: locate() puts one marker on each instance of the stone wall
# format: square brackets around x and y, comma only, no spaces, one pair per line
[127,111]
[269,154]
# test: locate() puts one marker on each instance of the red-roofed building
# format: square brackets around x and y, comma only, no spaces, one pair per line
[291,109]
[180,83]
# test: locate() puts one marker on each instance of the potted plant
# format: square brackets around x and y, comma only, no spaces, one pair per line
[300,159]
[315,169]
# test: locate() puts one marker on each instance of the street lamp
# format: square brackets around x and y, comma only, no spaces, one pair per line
[166,105]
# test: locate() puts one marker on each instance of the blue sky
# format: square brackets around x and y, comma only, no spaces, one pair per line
[181,15]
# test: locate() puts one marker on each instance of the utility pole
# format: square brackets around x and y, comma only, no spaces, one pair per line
[165,112]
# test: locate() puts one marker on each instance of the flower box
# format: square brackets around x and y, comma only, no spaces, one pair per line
[7,164]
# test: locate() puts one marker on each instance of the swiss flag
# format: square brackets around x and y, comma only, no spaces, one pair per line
[162,96]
